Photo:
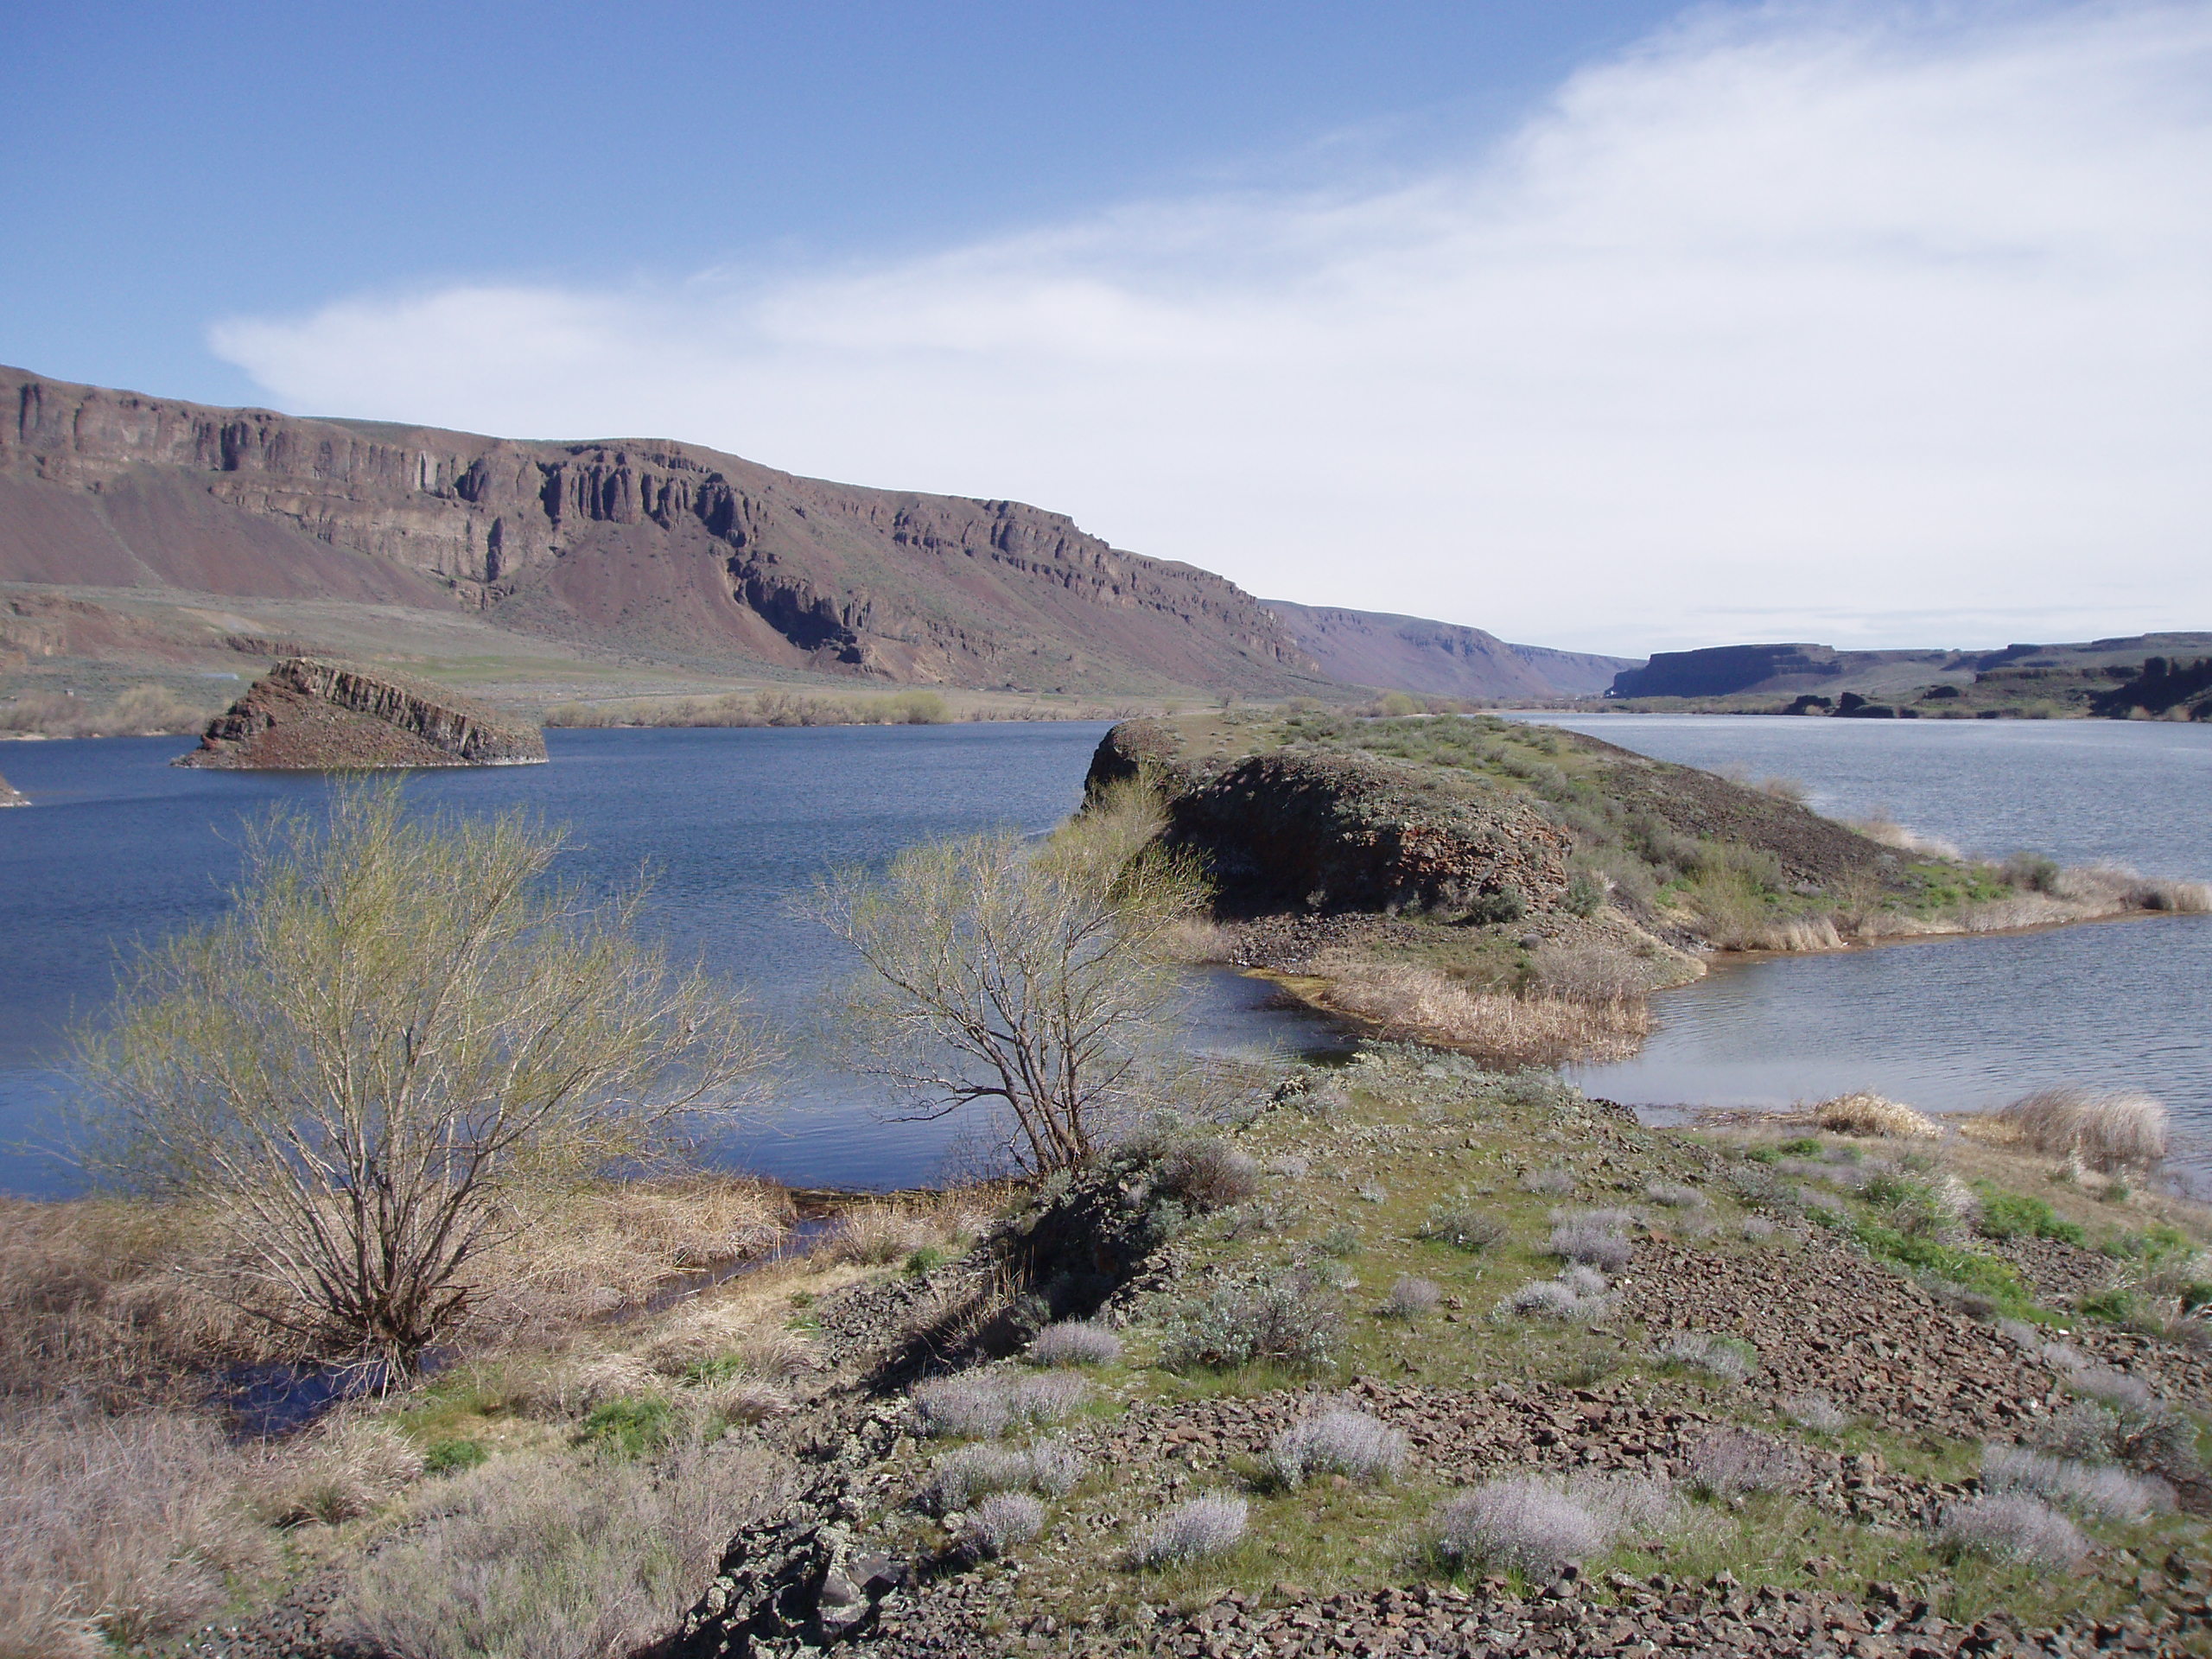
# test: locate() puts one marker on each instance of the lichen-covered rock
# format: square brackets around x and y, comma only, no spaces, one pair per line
[10,796]
[311,715]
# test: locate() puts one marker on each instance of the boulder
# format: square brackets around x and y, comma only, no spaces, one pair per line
[308,715]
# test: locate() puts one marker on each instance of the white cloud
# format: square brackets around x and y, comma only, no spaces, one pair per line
[1870,325]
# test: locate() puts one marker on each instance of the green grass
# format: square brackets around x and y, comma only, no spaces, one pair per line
[629,1427]
[2012,1215]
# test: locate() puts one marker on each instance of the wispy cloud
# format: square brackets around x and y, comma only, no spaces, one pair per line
[1870,324]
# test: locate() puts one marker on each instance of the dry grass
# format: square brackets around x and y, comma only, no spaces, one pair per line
[577,1255]
[141,711]
[2107,1131]
[1866,1114]
[560,1557]
[1889,833]
[118,1530]
[92,1305]
[1422,1005]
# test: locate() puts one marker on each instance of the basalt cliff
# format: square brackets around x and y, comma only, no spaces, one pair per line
[650,547]
[306,714]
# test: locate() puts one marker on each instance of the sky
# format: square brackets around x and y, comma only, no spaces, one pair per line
[1601,324]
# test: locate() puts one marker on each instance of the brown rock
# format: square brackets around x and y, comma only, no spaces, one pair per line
[308,715]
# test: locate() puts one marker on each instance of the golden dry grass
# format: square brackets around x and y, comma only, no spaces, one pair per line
[1422,1004]
[1866,1114]
[2108,1130]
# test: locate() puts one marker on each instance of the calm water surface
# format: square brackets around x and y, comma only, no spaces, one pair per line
[1957,1024]
[120,846]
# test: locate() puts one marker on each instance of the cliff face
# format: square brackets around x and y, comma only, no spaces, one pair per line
[649,543]
[307,714]
[1335,831]
[1410,653]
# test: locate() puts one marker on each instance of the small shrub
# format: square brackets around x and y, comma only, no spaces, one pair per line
[1755,1227]
[1577,1296]
[2015,1527]
[1206,1173]
[1411,1297]
[1534,1525]
[2106,1131]
[1730,1359]
[1818,1413]
[965,1407]
[1595,1238]
[1336,1441]
[1339,1241]
[1870,1115]
[1239,1323]
[1076,1342]
[1804,1146]
[1372,1194]
[1048,1397]
[1585,895]
[1457,1224]
[1732,1461]
[2128,1395]
[925,1260]
[1190,1532]
[2112,1494]
[1675,1196]
[999,1522]
[961,1476]
[2082,1431]
[1556,1183]
[970,1472]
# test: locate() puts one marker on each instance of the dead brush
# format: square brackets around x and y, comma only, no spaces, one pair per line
[1595,1238]
[2107,1131]
[2014,1526]
[1336,1440]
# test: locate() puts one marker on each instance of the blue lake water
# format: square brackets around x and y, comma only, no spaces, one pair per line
[1964,1023]
[120,846]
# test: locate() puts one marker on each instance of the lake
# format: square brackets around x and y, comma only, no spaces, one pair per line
[733,823]
[1955,1025]
[121,846]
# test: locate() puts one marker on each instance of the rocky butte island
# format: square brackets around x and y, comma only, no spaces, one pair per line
[307,715]
[10,796]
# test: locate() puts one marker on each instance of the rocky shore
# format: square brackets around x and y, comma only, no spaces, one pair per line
[306,713]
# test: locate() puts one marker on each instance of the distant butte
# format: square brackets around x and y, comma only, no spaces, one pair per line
[306,714]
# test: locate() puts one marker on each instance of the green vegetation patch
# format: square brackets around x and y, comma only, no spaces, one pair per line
[2010,1215]
[629,1427]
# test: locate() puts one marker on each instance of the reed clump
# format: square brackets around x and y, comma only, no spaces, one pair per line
[2107,1130]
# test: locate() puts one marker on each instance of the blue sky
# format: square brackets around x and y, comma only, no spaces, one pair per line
[1610,325]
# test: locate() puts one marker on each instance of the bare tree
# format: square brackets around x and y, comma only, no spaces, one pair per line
[1032,979]
[400,1024]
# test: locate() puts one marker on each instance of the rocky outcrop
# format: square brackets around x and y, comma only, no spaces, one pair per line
[308,715]
[1442,659]
[648,544]
[10,796]
[1338,831]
